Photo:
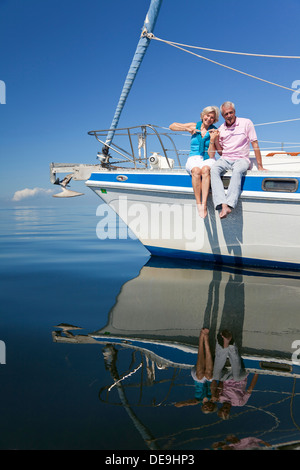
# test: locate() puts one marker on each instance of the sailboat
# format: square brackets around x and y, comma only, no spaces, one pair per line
[149,345]
[145,183]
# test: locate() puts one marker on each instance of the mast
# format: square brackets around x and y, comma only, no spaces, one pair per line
[141,49]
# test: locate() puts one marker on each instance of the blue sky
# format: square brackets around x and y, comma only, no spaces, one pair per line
[64,63]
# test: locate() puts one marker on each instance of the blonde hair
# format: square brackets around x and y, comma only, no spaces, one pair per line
[211,109]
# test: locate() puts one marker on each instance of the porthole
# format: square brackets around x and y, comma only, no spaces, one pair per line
[122,178]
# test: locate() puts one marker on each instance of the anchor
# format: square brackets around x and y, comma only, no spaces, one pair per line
[63,184]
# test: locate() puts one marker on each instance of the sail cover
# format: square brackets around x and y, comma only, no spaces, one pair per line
[141,49]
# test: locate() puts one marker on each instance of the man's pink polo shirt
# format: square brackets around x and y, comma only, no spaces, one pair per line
[235,140]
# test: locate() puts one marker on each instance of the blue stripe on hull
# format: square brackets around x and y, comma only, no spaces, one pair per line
[249,183]
[221,259]
[144,178]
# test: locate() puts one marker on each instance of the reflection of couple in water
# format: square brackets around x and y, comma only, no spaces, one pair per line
[214,382]
[202,374]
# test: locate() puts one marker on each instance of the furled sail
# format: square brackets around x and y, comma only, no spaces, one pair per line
[141,49]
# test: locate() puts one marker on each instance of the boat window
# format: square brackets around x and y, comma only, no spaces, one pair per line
[289,185]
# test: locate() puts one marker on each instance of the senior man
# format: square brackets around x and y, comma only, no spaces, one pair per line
[233,144]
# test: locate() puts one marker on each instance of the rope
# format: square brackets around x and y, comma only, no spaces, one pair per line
[151,36]
[276,122]
[279,149]
[272,142]
[231,52]
[291,405]
[262,124]
[125,377]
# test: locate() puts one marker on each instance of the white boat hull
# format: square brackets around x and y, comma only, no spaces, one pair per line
[263,229]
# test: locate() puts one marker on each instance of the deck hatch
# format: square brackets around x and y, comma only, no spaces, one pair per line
[276,366]
[284,185]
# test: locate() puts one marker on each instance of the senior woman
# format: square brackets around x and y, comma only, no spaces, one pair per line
[202,153]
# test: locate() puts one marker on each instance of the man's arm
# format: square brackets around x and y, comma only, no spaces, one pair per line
[253,383]
[190,402]
[217,144]
[216,389]
[214,134]
[211,150]
[257,155]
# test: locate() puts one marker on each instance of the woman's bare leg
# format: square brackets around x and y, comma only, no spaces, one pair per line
[205,189]
[208,356]
[197,186]
[200,365]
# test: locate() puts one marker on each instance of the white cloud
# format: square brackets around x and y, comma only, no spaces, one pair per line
[25,193]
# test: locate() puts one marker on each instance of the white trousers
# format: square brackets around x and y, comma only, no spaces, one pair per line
[236,372]
[239,168]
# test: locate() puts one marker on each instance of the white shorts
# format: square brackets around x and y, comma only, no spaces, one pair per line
[203,380]
[197,161]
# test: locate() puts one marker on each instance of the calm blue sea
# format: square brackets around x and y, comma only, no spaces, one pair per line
[98,340]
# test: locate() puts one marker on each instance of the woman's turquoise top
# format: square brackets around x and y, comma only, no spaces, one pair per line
[202,390]
[199,144]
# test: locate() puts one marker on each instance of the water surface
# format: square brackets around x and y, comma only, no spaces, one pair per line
[100,340]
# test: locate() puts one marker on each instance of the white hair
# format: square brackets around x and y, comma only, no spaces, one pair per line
[211,109]
[227,104]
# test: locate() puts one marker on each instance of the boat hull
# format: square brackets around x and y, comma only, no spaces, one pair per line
[263,230]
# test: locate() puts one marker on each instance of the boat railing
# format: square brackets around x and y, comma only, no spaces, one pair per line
[164,154]
[136,150]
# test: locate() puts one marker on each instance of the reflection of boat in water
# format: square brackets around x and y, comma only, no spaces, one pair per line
[168,303]
[149,345]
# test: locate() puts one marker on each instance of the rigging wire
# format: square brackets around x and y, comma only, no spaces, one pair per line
[125,377]
[278,122]
[261,124]
[151,36]
[232,52]
[291,405]
[290,144]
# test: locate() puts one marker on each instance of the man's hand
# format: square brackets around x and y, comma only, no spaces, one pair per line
[214,134]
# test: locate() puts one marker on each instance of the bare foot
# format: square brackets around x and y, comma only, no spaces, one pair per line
[226,334]
[202,210]
[227,337]
[225,211]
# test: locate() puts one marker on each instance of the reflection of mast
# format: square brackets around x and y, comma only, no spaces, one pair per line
[291,405]
[266,368]
[110,359]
